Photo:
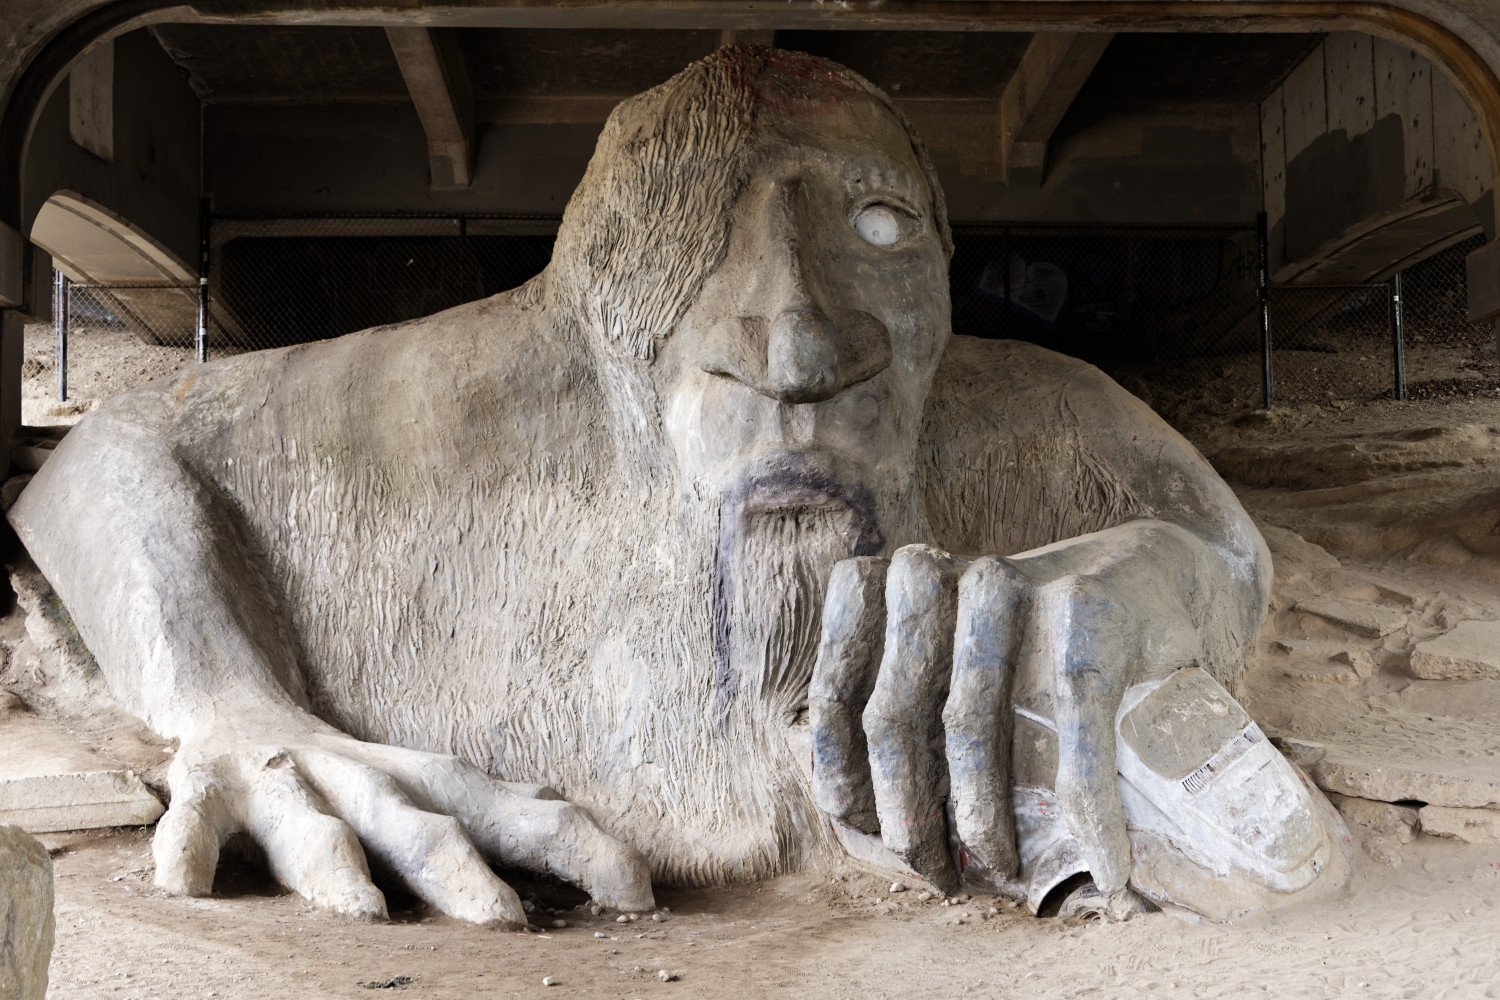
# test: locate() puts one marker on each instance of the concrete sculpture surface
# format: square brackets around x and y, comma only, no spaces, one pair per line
[542,579]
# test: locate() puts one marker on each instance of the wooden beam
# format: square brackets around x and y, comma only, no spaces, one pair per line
[435,77]
[1052,72]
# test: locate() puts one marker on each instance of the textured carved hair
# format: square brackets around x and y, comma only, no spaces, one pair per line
[650,221]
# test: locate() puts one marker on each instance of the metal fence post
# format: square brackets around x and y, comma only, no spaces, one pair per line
[1263,254]
[201,333]
[60,324]
[1398,358]
[1005,267]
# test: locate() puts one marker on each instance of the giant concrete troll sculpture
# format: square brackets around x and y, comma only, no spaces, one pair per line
[707,554]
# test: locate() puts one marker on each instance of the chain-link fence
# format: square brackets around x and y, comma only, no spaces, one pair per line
[289,281]
[1332,343]
[114,337]
[1173,314]
[1170,313]
[1447,357]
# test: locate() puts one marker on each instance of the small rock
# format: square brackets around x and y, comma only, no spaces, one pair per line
[622,919]
[1476,826]
[595,909]
[1381,848]
[923,896]
[661,917]
[1362,660]
[600,934]
[528,906]
[1400,822]
[1360,617]
[548,981]
[666,976]
[632,917]
[559,924]
[1470,652]
[897,887]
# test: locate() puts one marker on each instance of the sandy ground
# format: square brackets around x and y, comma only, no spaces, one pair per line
[1390,504]
[1427,929]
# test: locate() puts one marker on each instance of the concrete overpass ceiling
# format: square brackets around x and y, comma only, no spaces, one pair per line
[267,64]
[1203,68]
[540,62]
[921,64]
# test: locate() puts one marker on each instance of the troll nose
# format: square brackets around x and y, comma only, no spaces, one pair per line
[802,356]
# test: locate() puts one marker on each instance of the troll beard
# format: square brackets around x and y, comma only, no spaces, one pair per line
[770,575]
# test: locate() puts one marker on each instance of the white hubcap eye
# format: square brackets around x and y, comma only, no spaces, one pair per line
[877,225]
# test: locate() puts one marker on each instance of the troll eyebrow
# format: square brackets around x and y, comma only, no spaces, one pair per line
[882,172]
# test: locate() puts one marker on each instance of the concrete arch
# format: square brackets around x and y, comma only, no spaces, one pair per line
[88,242]
[151,288]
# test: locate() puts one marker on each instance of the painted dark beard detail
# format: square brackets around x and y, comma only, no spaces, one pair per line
[771,575]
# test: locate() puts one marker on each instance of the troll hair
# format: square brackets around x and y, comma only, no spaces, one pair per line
[650,221]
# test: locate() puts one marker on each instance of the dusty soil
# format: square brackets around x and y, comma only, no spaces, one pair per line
[102,360]
[1393,505]
[1424,930]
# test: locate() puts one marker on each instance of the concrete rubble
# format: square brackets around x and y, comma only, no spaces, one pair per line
[1471,651]
[50,781]
[1476,826]
[1397,756]
[26,923]
[1359,617]
[1401,822]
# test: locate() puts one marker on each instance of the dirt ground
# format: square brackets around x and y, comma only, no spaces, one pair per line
[1426,929]
[1391,504]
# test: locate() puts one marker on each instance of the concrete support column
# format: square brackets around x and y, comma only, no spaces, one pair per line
[11,350]
[435,76]
[1053,70]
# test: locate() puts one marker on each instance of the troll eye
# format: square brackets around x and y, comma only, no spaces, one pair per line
[878,225]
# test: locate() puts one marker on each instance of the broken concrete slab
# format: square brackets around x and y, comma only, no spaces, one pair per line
[26,922]
[1476,826]
[1307,647]
[50,781]
[1294,558]
[1359,617]
[1320,672]
[1391,755]
[1401,822]
[1470,652]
